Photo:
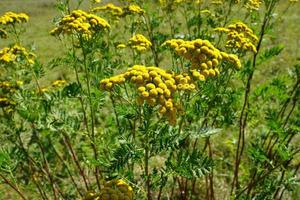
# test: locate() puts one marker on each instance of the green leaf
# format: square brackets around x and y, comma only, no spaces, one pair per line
[71,90]
[189,165]
[270,53]
[209,132]
[126,153]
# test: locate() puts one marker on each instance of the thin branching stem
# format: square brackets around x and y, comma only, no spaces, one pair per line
[246,103]
[75,159]
[92,112]
[13,187]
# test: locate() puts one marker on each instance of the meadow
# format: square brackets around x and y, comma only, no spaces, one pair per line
[136,99]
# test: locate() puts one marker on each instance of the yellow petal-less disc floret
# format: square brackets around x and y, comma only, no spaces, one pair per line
[154,86]
[59,83]
[139,43]
[116,189]
[112,190]
[80,22]
[202,54]
[11,55]
[133,9]
[109,8]
[13,18]
[253,4]
[240,36]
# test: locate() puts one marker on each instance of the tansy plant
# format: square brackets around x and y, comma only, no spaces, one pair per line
[151,100]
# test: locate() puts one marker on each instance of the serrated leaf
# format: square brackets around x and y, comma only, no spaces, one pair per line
[270,53]
[209,132]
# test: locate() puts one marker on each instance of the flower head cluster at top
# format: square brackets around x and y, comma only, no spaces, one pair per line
[57,84]
[112,190]
[176,2]
[109,8]
[240,36]
[13,18]
[139,43]
[11,55]
[133,9]
[170,2]
[253,4]
[80,22]
[204,57]
[95,1]
[217,2]
[154,86]
[117,11]
[171,5]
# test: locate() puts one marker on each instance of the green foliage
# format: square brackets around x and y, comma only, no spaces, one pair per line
[270,53]
[189,165]
[233,135]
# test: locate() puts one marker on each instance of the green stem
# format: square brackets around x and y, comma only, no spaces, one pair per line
[16,34]
[79,83]
[246,103]
[146,127]
[67,168]
[47,168]
[147,165]
[115,112]
[92,113]
[75,158]
[152,40]
[13,187]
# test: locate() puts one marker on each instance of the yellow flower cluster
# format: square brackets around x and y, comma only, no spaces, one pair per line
[3,34]
[110,8]
[172,4]
[95,1]
[205,11]
[240,36]
[253,4]
[80,22]
[7,89]
[217,2]
[12,18]
[43,90]
[133,9]
[117,190]
[56,85]
[168,2]
[154,86]
[121,46]
[9,55]
[10,87]
[204,57]
[59,83]
[139,43]
[5,102]
[112,190]
[117,11]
